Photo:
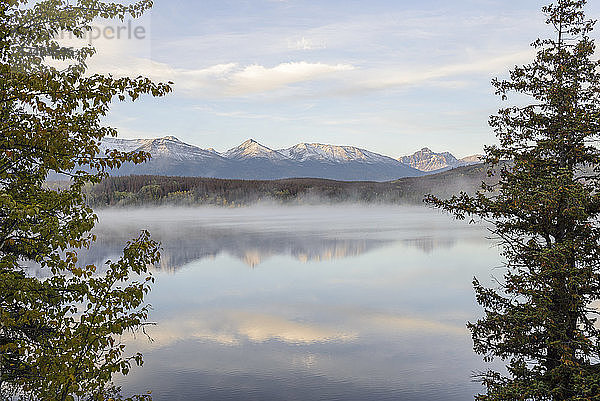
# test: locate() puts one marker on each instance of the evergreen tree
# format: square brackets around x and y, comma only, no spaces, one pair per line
[59,336]
[545,212]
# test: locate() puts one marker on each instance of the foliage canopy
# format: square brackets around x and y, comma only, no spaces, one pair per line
[59,335]
[545,212]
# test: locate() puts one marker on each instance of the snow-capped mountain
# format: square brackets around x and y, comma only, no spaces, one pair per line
[167,147]
[429,161]
[252,149]
[122,145]
[473,159]
[251,160]
[170,156]
[333,154]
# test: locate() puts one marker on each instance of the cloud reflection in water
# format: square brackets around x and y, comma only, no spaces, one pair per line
[352,303]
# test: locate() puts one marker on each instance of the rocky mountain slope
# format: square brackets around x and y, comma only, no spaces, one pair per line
[251,160]
[430,161]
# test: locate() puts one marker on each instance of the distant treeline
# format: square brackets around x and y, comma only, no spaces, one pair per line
[159,190]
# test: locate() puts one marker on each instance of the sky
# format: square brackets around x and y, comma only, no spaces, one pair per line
[388,76]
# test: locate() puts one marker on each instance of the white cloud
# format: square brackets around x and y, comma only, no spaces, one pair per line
[378,46]
[233,80]
[306,44]
[257,78]
[244,114]
[438,76]
[241,79]
[225,80]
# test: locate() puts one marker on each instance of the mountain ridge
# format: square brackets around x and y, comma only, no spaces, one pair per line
[252,160]
[430,161]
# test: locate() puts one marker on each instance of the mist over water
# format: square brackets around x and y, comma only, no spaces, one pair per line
[254,234]
[307,303]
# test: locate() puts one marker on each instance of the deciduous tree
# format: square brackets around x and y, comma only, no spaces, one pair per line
[59,335]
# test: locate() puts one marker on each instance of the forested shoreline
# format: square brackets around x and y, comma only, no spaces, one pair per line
[148,190]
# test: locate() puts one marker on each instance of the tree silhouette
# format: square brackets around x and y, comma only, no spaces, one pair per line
[544,211]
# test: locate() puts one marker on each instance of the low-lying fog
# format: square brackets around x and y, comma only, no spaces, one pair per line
[253,234]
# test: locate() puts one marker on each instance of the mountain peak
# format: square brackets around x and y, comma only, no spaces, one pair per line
[428,160]
[473,159]
[251,149]
[168,147]
[251,160]
[333,154]
[250,142]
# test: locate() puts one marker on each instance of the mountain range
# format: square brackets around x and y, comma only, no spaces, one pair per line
[251,160]
[431,162]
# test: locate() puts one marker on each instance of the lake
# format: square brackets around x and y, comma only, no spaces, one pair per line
[307,303]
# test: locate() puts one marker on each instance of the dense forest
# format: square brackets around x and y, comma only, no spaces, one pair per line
[159,190]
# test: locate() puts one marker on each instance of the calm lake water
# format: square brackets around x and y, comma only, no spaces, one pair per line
[307,303]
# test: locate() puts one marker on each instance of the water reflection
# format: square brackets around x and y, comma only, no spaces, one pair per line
[430,244]
[255,235]
[348,303]
[237,327]
[251,247]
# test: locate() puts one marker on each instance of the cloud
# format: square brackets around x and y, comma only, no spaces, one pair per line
[235,80]
[227,80]
[230,73]
[244,114]
[306,44]
[437,76]
[378,46]
[257,78]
